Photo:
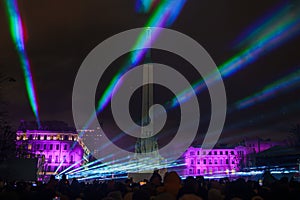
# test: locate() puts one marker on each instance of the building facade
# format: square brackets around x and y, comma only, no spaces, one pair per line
[56,149]
[200,161]
[222,161]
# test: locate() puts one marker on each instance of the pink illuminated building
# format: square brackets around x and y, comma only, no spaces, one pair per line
[222,161]
[56,146]
[216,161]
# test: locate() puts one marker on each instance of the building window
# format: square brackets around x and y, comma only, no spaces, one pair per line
[226,152]
[71,159]
[45,146]
[50,159]
[215,152]
[191,171]
[231,152]
[51,146]
[65,158]
[30,137]
[198,171]
[198,161]
[192,153]
[49,169]
[227,161]
[38,146]
[192,162]
[221,152]
[39,137]
[210,162]
[65,147]
[221,161]
[198,153]
[204,161]
[216,161]
[65,137]
[56,159]
[232,162]
[57,147]
[204,171]
[209,153]
[72,138]
[45,137]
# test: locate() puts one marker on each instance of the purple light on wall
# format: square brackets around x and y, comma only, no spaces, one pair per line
[200,161]
[53,149]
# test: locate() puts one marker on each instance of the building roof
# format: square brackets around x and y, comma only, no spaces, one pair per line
[46,126]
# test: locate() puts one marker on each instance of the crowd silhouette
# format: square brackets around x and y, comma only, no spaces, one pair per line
[170,187]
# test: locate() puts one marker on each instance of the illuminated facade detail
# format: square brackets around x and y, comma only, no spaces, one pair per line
[54,149]
[200,161]
[216,161]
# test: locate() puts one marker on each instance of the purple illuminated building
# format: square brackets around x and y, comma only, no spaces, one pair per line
[56,146]
[222,161]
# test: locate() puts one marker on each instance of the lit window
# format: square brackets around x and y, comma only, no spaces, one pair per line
[50,159]
[29,146]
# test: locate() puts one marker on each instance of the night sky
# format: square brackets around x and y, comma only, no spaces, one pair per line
[60,34]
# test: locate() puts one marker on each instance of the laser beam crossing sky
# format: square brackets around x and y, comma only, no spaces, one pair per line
[17,33]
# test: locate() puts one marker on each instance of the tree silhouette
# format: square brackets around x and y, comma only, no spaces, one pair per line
[7,135]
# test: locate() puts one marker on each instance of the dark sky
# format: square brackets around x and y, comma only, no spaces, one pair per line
[62,33]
